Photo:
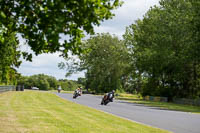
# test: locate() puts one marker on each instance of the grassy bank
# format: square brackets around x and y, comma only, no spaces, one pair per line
[43,112]
[163,105]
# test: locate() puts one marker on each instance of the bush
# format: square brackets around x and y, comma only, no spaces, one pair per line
[43,84]
[69,85]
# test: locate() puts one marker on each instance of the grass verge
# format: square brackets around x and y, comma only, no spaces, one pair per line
[43,112]
[162,105]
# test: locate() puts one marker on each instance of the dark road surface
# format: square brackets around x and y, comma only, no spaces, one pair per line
[174,121]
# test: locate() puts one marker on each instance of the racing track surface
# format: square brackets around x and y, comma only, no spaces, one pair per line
[174,121]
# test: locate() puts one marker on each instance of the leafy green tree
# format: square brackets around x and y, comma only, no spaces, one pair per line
[53,83]
[24,80]
[43,82]
[82,81]
[9,56]
[33,81]
[69,85]
[41,22]
[164,49]
[105,62]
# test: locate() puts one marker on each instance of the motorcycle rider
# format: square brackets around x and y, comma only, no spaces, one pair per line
[110,95]
[59,89]
[79,90]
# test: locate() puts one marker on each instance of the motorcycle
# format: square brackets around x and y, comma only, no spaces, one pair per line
[76,94]
[106,99]
[59,89]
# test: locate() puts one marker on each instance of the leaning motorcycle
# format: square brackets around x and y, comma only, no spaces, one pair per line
[76,94]
[106,99]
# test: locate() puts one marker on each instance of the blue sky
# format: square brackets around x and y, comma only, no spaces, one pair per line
[130,11]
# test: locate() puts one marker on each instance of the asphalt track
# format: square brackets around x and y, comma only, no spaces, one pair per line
[174,121]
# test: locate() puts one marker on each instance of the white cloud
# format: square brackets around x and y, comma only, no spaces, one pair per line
[130,11]
[46,60]
[46,64]
[112,30]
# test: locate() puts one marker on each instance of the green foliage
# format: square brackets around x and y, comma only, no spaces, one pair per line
[69,85]
[165,49]
[82,81]
[53,83]
[105,61]
[24,80]
[42,22]
[9,56]
[43,82]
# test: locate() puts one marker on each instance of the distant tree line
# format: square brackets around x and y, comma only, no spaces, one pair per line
[69,85]
[46,82]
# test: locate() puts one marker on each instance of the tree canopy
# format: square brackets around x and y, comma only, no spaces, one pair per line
[48,26]
[159,55]
[105,62]
[41,22]
[9,56]
[165,49]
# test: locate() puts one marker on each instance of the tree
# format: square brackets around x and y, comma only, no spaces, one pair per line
[105,62]
[43,82]
[41,22]
[9,56]
[69,85]
[53,83]
[164,49]
[82,81]
[24,80]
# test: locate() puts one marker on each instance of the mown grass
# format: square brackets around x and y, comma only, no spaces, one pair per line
[44,112]
[163,105]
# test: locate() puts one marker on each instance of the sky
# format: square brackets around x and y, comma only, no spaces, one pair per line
[125,15]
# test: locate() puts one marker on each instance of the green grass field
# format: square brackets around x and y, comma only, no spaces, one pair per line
[44,112]
[163,105]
